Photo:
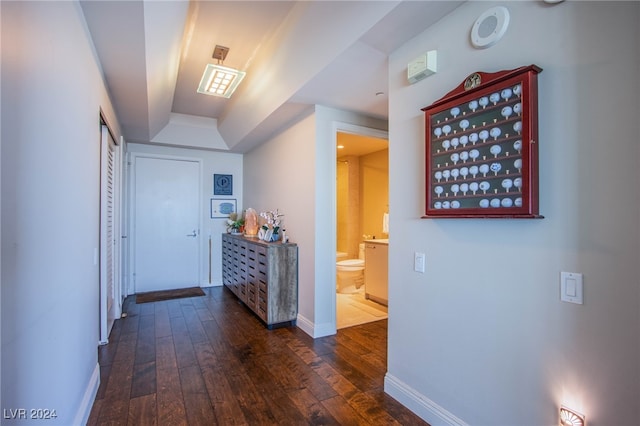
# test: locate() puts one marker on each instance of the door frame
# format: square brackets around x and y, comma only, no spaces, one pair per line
[342,127]
[133,156]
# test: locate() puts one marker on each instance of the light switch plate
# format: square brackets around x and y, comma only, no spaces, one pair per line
[418,262]
[571,289]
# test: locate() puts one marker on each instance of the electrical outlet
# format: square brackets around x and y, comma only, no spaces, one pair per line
[418,262]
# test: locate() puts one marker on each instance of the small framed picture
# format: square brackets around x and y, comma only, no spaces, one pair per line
[222,184]
[221,208]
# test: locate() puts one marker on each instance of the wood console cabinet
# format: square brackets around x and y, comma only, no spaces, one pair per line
[264,276]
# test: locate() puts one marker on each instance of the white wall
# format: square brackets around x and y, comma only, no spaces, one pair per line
[213,162]
[482,335]
[0,204]
[52,92]
[280,174]
[295,172]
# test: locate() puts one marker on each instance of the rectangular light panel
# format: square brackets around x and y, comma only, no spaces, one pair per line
[219,80]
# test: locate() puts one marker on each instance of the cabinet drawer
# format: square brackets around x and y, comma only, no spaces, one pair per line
[262,303]
[251,252]
[252,293]
[261,263]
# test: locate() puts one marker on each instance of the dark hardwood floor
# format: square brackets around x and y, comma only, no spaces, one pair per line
[208,360]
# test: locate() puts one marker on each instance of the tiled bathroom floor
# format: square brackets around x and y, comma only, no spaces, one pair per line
[354,309]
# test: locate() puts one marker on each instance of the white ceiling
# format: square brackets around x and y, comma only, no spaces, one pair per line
[153,54]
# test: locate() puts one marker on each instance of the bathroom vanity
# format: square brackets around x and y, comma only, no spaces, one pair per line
[376,271]
[264,276]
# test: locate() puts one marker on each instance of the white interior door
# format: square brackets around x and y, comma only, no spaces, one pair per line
[110,307]
[166,224]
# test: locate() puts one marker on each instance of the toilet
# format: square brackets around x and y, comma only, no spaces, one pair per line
[350,272]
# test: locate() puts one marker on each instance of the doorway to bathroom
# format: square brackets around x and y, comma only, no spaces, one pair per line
[362,208]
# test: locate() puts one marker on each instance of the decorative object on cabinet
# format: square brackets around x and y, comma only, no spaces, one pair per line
[251,223]
[482,147]
[270,229]
[221,208]
[264,276]
[222,184]
[235,223]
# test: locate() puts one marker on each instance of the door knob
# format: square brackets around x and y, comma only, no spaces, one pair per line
[193,234]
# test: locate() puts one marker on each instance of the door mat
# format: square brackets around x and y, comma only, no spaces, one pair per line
[155,296]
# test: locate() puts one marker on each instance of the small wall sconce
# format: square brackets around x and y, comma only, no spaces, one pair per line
[569,417]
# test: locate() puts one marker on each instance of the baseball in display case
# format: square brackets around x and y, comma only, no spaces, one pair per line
[482,147]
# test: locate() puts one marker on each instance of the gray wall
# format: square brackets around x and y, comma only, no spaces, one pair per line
[52,92]
[482,335]
[295,171]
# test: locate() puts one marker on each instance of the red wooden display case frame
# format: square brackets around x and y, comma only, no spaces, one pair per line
[484,102]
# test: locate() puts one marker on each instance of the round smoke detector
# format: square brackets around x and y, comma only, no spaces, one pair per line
[490,27]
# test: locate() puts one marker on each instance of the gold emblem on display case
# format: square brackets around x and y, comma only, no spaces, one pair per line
[472,81]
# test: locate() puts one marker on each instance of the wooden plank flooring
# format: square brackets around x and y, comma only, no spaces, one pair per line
[209,361]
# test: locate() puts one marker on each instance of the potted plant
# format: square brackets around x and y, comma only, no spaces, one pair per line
[235,223]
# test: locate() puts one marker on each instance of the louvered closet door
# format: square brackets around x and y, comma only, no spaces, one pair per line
[108,240]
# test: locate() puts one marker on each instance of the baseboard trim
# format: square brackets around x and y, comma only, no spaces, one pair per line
[425,408]
[82,416]
[314,330]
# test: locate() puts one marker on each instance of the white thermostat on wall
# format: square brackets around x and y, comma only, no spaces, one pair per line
[490,27]
[422,67]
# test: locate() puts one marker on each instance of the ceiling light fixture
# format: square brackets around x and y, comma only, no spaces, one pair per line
[219,80]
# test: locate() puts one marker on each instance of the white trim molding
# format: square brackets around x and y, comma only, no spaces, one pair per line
[82,416]
[425,408]
[314,331]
